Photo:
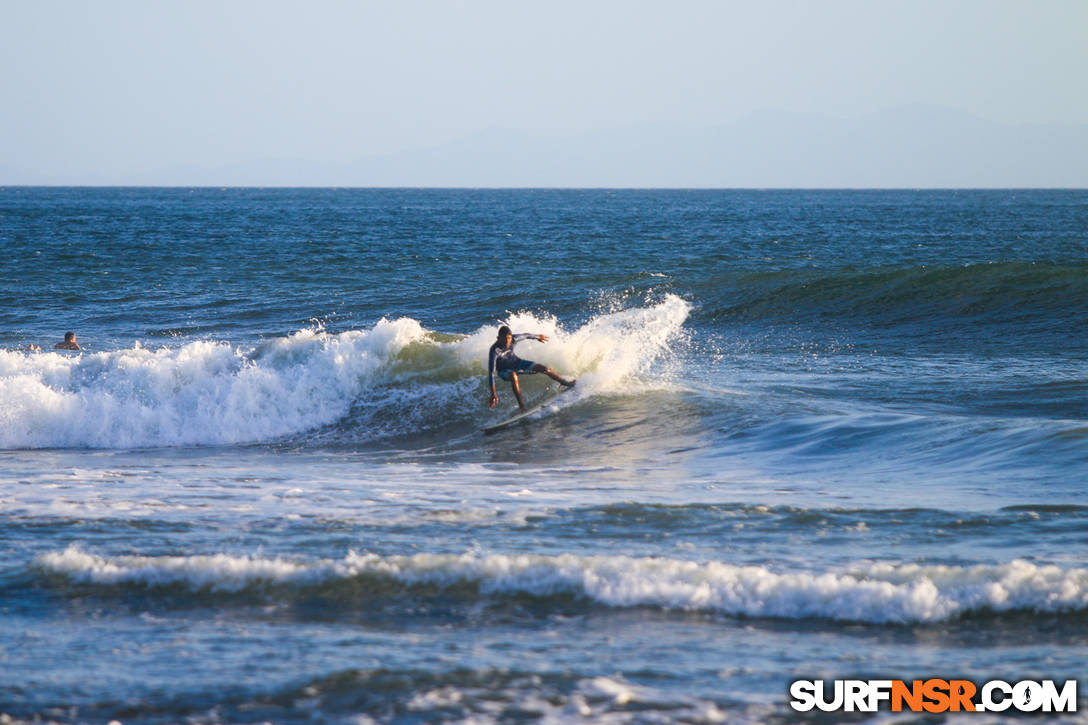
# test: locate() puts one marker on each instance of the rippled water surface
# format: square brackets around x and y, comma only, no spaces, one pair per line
[815,434]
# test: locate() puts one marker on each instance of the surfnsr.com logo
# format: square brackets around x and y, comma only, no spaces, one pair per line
[933,695]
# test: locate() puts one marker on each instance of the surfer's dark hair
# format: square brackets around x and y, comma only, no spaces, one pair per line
[504,330]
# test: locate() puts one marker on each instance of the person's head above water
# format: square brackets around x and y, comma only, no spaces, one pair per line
[69,342]
[504,331]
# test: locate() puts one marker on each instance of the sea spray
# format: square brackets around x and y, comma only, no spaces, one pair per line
[611,350]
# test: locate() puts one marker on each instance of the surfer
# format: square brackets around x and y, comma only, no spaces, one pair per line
[502,360]
[69,342]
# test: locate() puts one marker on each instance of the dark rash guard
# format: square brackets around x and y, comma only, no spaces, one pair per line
[503,358]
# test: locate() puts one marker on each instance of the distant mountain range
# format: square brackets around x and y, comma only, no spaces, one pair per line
[913,147]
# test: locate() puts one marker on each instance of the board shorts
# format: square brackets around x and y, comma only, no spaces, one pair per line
[524,367]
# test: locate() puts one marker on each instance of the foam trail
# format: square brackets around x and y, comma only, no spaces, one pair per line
[876,593]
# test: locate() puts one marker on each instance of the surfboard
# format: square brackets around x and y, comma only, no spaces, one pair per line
[548,398]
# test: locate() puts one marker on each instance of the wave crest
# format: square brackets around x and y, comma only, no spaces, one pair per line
[997,293]
[203,393]
[393,378]
[876,593]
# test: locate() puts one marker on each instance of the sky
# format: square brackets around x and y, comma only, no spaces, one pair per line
[118,91]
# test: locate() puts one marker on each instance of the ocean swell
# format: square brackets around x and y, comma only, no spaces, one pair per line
[1000,293]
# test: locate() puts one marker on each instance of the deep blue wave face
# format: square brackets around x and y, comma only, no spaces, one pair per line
[979,306]
[128,264]
[818,432]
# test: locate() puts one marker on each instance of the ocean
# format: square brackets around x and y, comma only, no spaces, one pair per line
[815,435]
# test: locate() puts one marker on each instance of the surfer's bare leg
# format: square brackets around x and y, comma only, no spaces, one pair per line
[517,390]
[538,368]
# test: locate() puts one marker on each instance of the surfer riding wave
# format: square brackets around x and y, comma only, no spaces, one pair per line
[502,360]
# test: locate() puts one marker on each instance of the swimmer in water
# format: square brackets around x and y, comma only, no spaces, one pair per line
[69,342]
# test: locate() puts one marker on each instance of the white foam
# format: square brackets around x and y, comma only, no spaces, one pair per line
[616,351]
[201,393]
[393,378]
[876,593]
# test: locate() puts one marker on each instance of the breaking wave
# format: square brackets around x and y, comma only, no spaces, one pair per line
[878,593]
[392,378]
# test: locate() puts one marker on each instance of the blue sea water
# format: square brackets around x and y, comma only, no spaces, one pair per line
[816,434]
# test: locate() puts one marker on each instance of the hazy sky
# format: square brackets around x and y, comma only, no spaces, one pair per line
[113,88]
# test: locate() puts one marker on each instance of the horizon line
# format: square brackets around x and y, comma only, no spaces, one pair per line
[426,187]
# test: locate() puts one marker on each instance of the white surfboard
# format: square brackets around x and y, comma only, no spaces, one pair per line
[540,405]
